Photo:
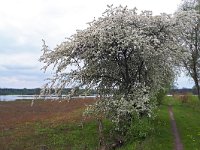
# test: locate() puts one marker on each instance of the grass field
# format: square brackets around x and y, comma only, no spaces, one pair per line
[161,137]
[60,126]
[187,116]
[51,124]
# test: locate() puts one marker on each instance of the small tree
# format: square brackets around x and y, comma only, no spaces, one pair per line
[127,57]
[188,15]
[188,25]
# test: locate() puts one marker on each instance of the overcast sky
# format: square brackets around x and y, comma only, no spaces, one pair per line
[24,23]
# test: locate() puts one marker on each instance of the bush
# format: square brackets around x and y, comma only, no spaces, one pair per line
[185,97]
[182,98]
[161,95]
[140,128]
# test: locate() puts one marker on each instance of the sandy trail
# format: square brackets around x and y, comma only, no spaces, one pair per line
[177,140]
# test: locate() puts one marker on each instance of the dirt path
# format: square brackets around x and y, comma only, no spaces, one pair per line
[177,140]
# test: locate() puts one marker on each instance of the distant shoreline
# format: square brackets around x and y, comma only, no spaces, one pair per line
[37,97]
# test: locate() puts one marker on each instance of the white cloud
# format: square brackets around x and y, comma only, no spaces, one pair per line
[21,82]
[21,59]
[184,81]
[31,20]
[25,22]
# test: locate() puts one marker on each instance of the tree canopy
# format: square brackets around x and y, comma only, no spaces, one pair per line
[128,57]
[188,22]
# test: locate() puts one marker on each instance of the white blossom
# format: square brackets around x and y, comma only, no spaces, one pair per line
[128,57]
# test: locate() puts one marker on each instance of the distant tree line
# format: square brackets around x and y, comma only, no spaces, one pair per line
[183,91]
[36,91]
[11,91]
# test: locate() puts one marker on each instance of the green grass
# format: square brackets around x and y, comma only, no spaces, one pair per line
[74,136]
[187,116]
[161,137]
[188,122]
[61,137]
[64,136]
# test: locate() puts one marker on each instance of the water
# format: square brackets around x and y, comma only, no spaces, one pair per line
[30,97]
[15,97]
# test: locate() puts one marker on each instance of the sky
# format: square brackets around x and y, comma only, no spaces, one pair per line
[24,23]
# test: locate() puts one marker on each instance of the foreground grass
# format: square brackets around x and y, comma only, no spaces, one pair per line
[188,122]
[60,137]
[57,132]
[77,136]
[47,125]
[187,116]
[161,137]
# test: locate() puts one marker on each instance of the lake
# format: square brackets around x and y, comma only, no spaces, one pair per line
[29,97]
[15,97]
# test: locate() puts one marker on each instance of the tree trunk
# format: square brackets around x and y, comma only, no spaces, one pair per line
[195,78]
[102,145]
[198,88]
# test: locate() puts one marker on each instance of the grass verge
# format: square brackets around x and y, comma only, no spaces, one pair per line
[161,137]
[188,123]
[58,132]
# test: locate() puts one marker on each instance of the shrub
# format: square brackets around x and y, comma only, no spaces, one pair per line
[160,95]
[140,128]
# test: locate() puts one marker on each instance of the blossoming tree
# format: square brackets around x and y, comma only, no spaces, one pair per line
[188,23]
[128,57]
